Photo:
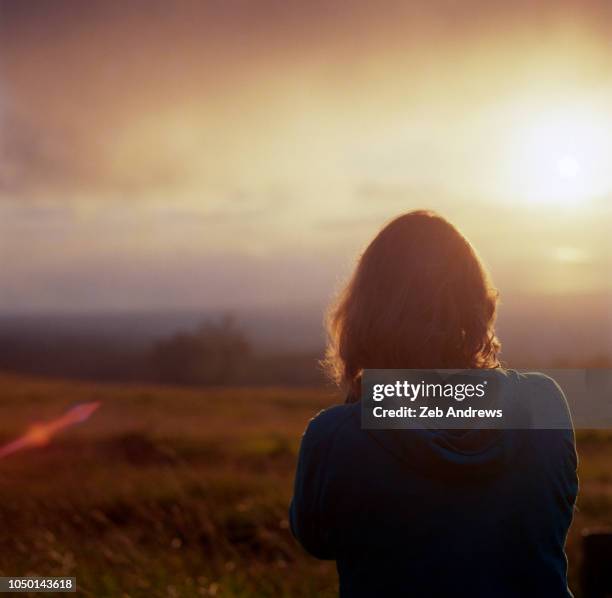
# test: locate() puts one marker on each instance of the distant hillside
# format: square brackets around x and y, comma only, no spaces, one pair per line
[276,329]
[535,332]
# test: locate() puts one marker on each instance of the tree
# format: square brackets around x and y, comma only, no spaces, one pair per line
[215,354]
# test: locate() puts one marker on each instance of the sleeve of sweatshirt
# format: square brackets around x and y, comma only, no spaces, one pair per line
[556,429]
[309,516]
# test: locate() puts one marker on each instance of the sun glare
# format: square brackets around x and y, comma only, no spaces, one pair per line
[560,156]
[568,167]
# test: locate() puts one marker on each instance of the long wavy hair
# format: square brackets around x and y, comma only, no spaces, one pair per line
[419,298]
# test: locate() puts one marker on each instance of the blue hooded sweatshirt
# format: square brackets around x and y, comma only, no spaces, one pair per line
[478,513]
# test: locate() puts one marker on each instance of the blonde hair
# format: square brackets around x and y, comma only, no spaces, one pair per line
[418,298]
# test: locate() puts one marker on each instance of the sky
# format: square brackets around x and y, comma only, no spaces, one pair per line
[238,153]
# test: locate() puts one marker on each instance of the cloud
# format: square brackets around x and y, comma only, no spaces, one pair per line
[144,143]
[148,98]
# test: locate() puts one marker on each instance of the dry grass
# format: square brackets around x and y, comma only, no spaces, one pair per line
[180,493]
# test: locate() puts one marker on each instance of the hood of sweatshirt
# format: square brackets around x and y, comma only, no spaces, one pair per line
[463,453]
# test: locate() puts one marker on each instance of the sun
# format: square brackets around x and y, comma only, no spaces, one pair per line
[568,167]
[560,156]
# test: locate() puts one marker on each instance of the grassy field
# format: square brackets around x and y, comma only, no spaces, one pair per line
[180,493]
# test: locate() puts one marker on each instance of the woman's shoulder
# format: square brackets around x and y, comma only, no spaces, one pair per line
[536,383]
[538,380]
[527,381]
[328,422]
[543,396]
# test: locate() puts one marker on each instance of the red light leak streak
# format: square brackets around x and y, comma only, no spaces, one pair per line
[40,434]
